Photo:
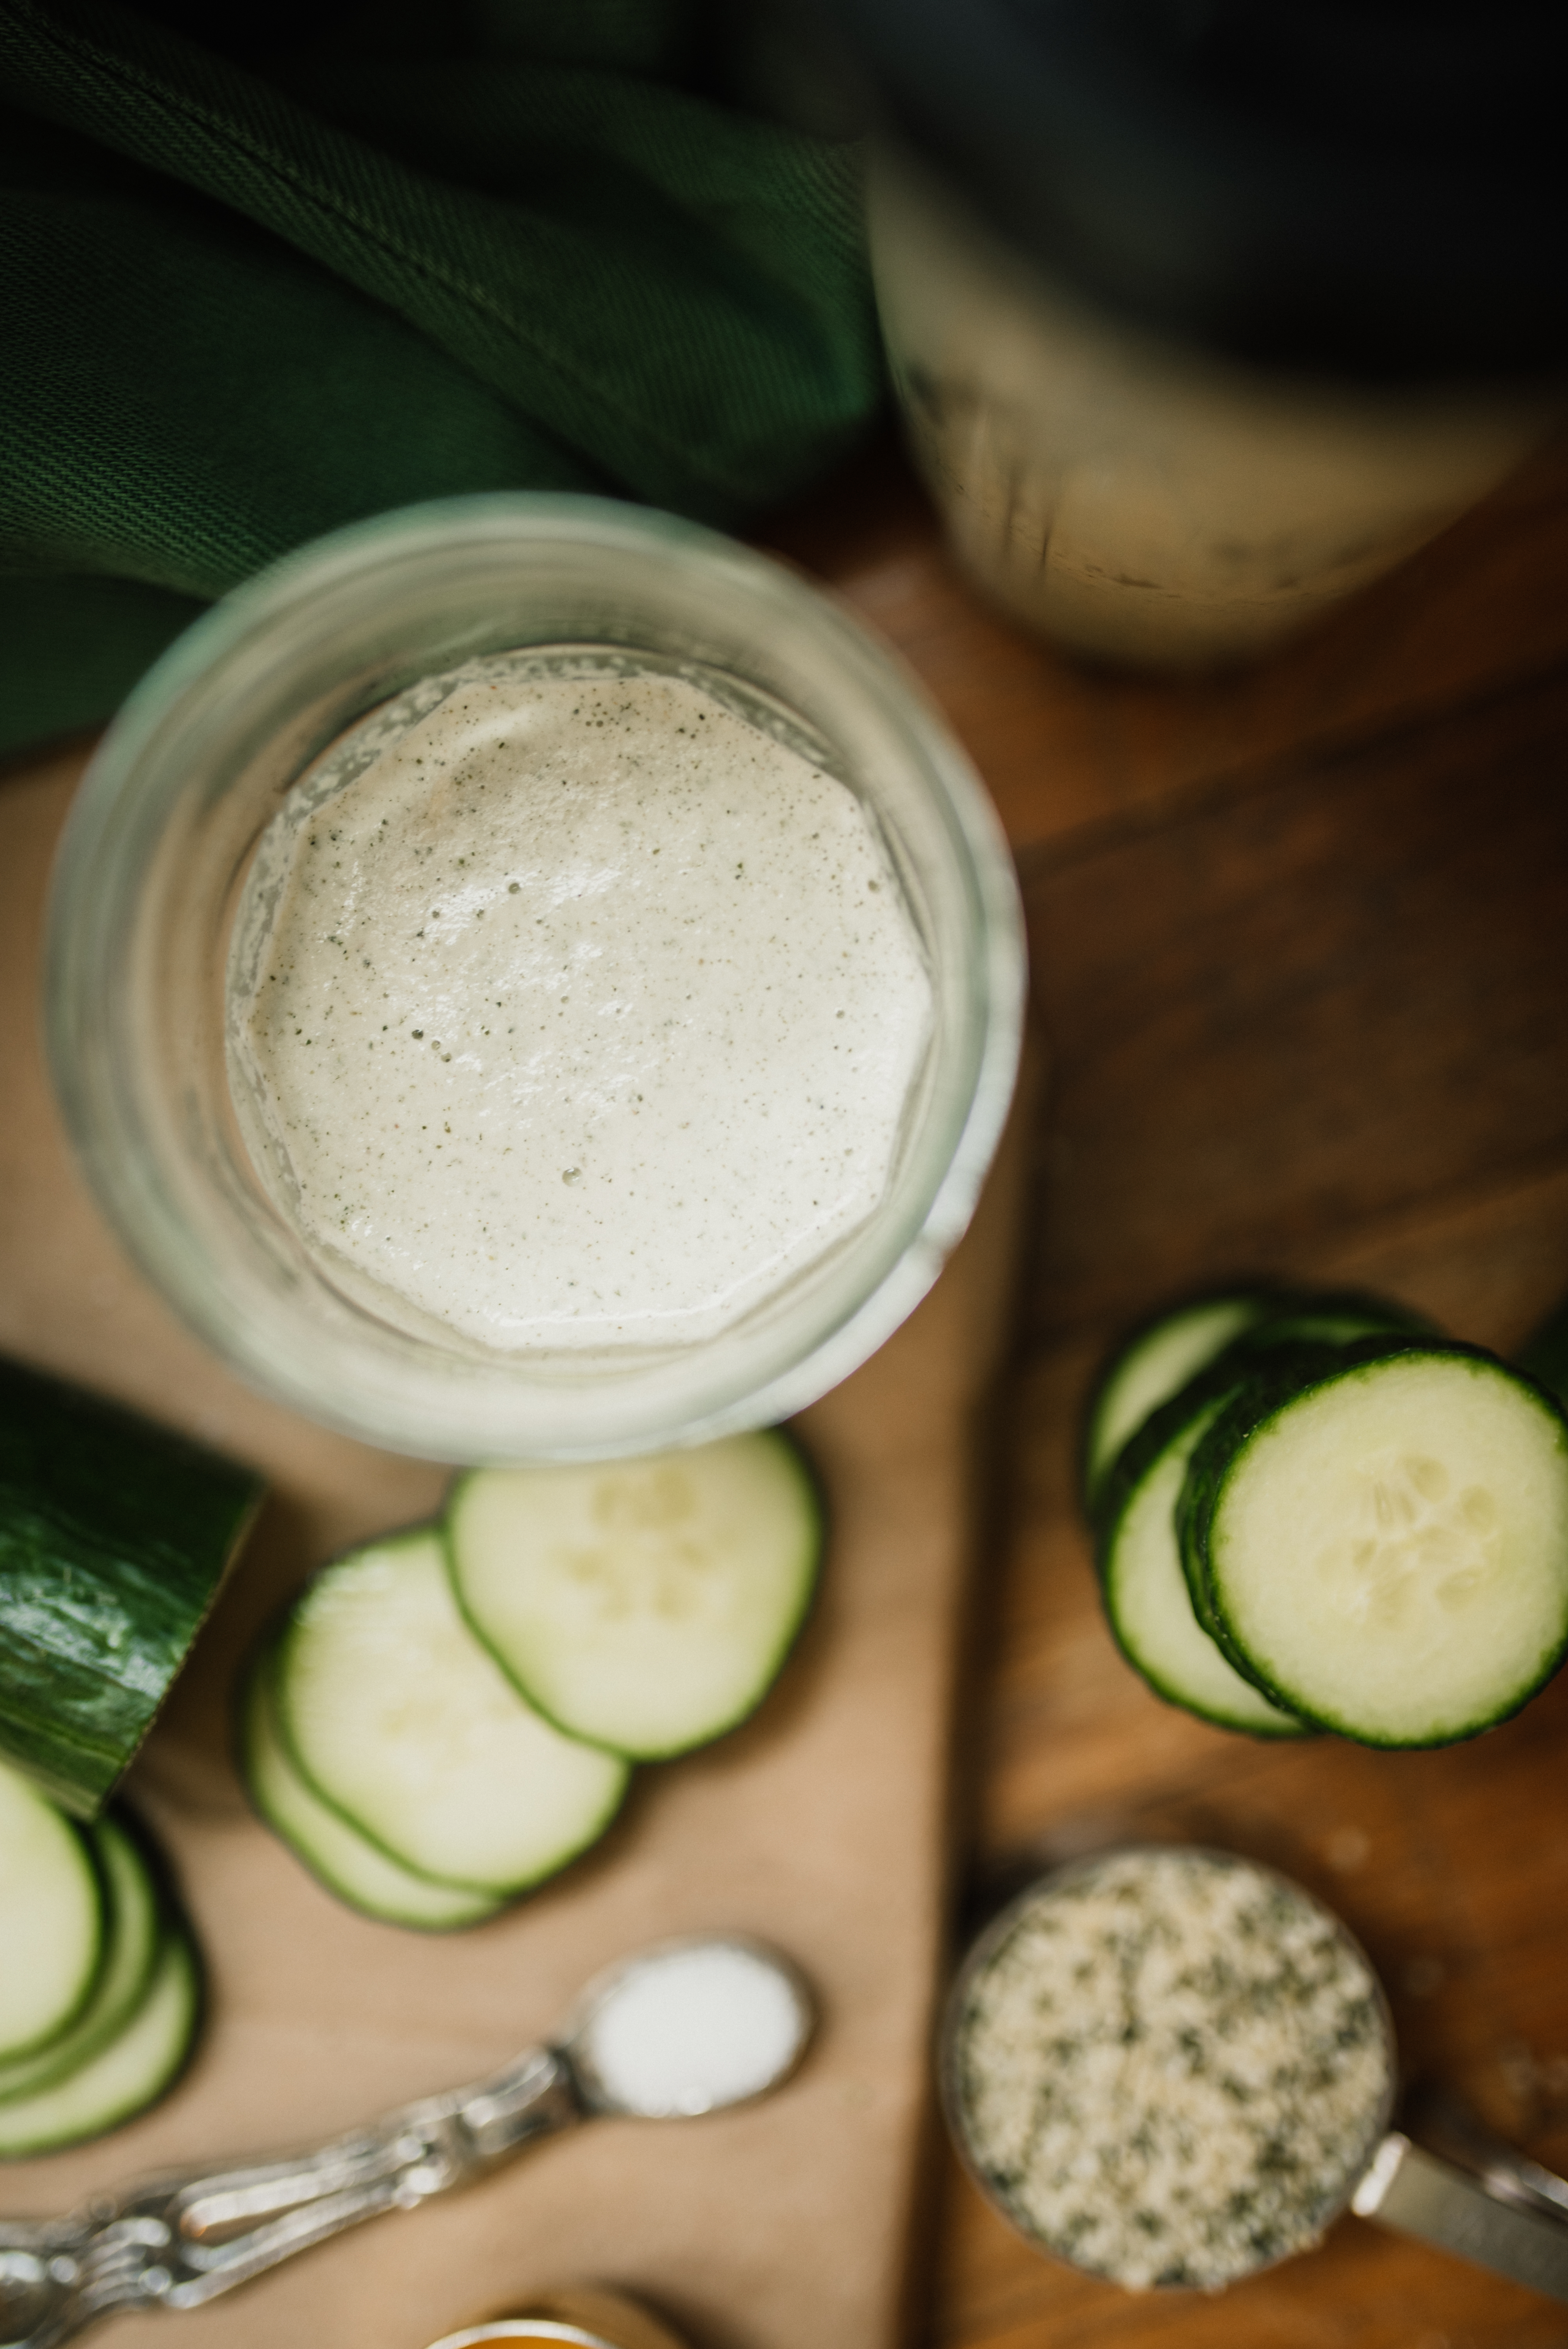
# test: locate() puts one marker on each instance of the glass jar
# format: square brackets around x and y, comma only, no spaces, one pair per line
[583,2317]
[1202,317]
[149,883]
[1134,498]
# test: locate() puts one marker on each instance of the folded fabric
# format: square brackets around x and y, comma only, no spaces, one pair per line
[260,282]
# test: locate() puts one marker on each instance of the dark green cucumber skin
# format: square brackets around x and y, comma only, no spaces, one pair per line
[88,1845]
[54,2061]
[1237,1366]
[262,1659]
[1253,1409]
[115,1536]
[1333,1317]
[1285,1734]
[787,1647]
[1227,1376]
[1279,1350]
[1546,1358]
[1287,1315]
[1143,1448]
[1277,1379]
[200,2000]
[175,1919]
[282,1634]
[1313,1335]
[1093,1492]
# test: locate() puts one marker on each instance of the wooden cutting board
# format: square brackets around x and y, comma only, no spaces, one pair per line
[820,1825]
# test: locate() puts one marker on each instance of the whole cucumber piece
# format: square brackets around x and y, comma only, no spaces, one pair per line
[114,1537]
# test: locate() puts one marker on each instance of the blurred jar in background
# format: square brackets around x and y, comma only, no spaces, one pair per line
[580,2316]
[1203,313]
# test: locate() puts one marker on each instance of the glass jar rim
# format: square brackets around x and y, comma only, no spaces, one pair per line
[523,2328]
[135,777]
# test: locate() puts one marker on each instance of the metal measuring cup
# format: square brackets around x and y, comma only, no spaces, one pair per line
[1476,2197]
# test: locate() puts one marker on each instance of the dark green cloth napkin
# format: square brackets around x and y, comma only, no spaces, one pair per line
[256,280]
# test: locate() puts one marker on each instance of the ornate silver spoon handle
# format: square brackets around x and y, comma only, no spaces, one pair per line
[179,2239]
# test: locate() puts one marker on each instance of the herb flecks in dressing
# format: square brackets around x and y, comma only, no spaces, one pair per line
[585,1013]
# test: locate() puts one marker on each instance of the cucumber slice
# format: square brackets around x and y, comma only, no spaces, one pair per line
[1331,1317]
[114,1537]
[1253,1384]
[1153,1364]
[135,1927]
[1144,1589]
[399,1720]
[51,1918]
[1159,1360]
[647,1605]
[137,2067]
[336,1853]
[1384,1550]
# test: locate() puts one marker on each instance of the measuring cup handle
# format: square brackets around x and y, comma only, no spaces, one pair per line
[1413,2191]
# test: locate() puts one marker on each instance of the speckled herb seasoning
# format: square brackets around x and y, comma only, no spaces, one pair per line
[1170,2067]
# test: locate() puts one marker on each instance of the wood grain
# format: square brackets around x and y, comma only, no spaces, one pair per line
[1298,943]
[1297,935]
[1063,746]
[820,1825]
[1321,995]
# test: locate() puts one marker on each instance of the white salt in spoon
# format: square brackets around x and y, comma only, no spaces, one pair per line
[682,2028]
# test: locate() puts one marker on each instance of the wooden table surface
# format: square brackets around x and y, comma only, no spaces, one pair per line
[1299,943]
[1299,939]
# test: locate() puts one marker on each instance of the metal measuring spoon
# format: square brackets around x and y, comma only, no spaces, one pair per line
[683,2027]
[1488,2203]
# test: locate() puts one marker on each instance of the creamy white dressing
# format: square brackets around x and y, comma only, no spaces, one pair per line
[583,1012]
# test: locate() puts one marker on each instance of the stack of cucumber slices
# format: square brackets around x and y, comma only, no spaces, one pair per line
[1312,1512]
[448,1716]
[99,1987]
